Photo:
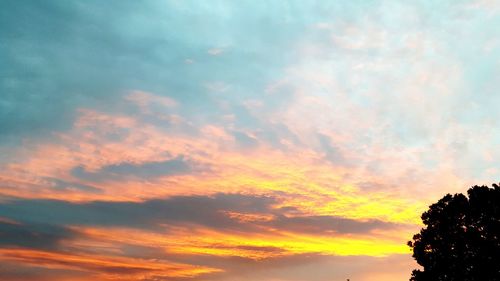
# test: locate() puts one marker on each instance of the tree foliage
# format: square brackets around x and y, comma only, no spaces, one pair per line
[461,238]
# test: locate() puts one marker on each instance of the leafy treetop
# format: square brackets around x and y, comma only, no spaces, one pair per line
[461,238]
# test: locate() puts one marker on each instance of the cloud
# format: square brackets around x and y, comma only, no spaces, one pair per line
[59,184]
[203,210]
[34,235]
[332,153]
[244,140]
[109,238]
[147,170]
[232,212]
[16,271]
[215,51]
[328,224]
[102,267]
[300,268]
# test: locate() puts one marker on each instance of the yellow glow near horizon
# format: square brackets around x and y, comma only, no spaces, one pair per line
[254,245]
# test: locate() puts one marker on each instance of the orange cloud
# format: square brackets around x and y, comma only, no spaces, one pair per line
[104,267]
[298,175]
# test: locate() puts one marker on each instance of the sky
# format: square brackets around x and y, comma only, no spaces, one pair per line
[238,140]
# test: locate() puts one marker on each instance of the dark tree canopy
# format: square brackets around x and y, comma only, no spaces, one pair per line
[461,238]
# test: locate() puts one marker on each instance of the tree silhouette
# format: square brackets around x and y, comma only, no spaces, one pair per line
[461,238]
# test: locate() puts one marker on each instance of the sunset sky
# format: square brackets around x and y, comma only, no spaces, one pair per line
[237,140]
